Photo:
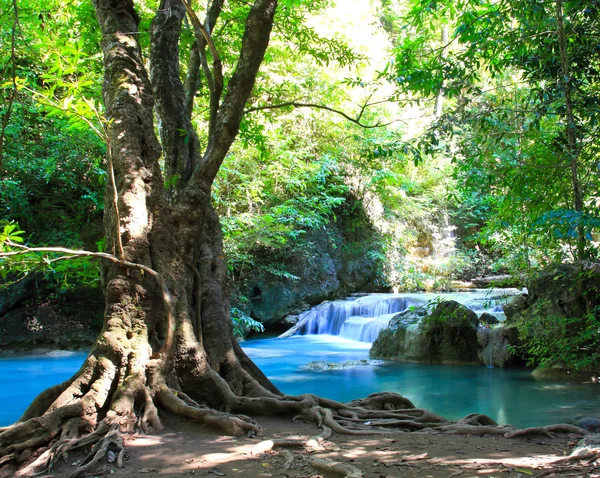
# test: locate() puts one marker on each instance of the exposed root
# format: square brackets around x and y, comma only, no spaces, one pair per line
[112,441]
[590,457]
[231,424]
[562,471]
[348,471]
[547,430]
[289,459]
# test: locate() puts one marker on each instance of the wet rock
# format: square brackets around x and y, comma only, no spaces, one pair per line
[290,320]
[447,335]
[591,424]
[488,318]
[494,345]
[321,365]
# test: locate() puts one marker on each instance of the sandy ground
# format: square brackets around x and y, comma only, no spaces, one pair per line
[187,449]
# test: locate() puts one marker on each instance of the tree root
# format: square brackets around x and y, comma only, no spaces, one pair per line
[289,459]
[133,406]
[348,471]
[547,431]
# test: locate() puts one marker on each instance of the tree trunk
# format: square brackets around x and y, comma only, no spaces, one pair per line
[570,130]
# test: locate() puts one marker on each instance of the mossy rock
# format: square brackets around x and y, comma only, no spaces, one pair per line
[447,335]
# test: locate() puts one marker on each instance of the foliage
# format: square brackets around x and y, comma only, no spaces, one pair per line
[242,324]
[573,342]
[52,267]
[505,124]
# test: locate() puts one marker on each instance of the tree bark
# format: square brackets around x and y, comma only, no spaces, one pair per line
[570,130]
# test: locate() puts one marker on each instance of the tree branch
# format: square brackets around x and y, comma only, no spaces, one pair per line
[167,347]
[297,104]
[13,93]
[214,79]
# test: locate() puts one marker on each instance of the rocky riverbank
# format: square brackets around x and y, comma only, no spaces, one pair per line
[48,321]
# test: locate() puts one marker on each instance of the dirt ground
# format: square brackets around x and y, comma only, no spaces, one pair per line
[187,449]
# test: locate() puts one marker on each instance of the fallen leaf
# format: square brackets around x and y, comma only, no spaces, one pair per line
[525,472]
[216,471]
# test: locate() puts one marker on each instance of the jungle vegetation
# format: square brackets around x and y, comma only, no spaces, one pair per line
[178,143]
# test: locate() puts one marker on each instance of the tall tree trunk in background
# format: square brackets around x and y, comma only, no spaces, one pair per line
[570,129]
[439,99]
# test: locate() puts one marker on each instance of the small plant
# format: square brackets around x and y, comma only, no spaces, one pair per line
[243,323]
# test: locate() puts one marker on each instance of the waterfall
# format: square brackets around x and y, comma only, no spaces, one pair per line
[362,318]
[357,318]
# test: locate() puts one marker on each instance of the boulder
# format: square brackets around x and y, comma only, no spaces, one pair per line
[322,365]
[515,307]
[561,290]
[447,335]
[452,332]
[65,321]
[591,424]
[558,372]
[488,318]
[330,265]
[494,345]
[559,304]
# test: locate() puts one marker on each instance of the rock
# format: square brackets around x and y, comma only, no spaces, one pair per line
[331,264]
[483,336]
[394,342]
[558,372]
[495,345]
[290,320]
[516,306]
[588,444]
[321,365]
[488,319]
[447,335]
[563,295]
[452,333]
[591,424]
[64,321]
[23,289]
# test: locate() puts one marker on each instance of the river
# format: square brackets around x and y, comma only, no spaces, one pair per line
[510,396]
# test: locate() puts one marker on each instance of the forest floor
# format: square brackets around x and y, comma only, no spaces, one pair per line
[188,449]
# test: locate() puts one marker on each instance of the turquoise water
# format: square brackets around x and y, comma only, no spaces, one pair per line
[507,395]
[510,396]
[22,377]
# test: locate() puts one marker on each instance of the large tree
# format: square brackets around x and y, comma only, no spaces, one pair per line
[167,339]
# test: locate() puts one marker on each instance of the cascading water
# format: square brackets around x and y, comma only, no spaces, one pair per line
[362,318]
[357,318]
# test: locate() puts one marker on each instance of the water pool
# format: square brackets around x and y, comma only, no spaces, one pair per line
[510,396]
